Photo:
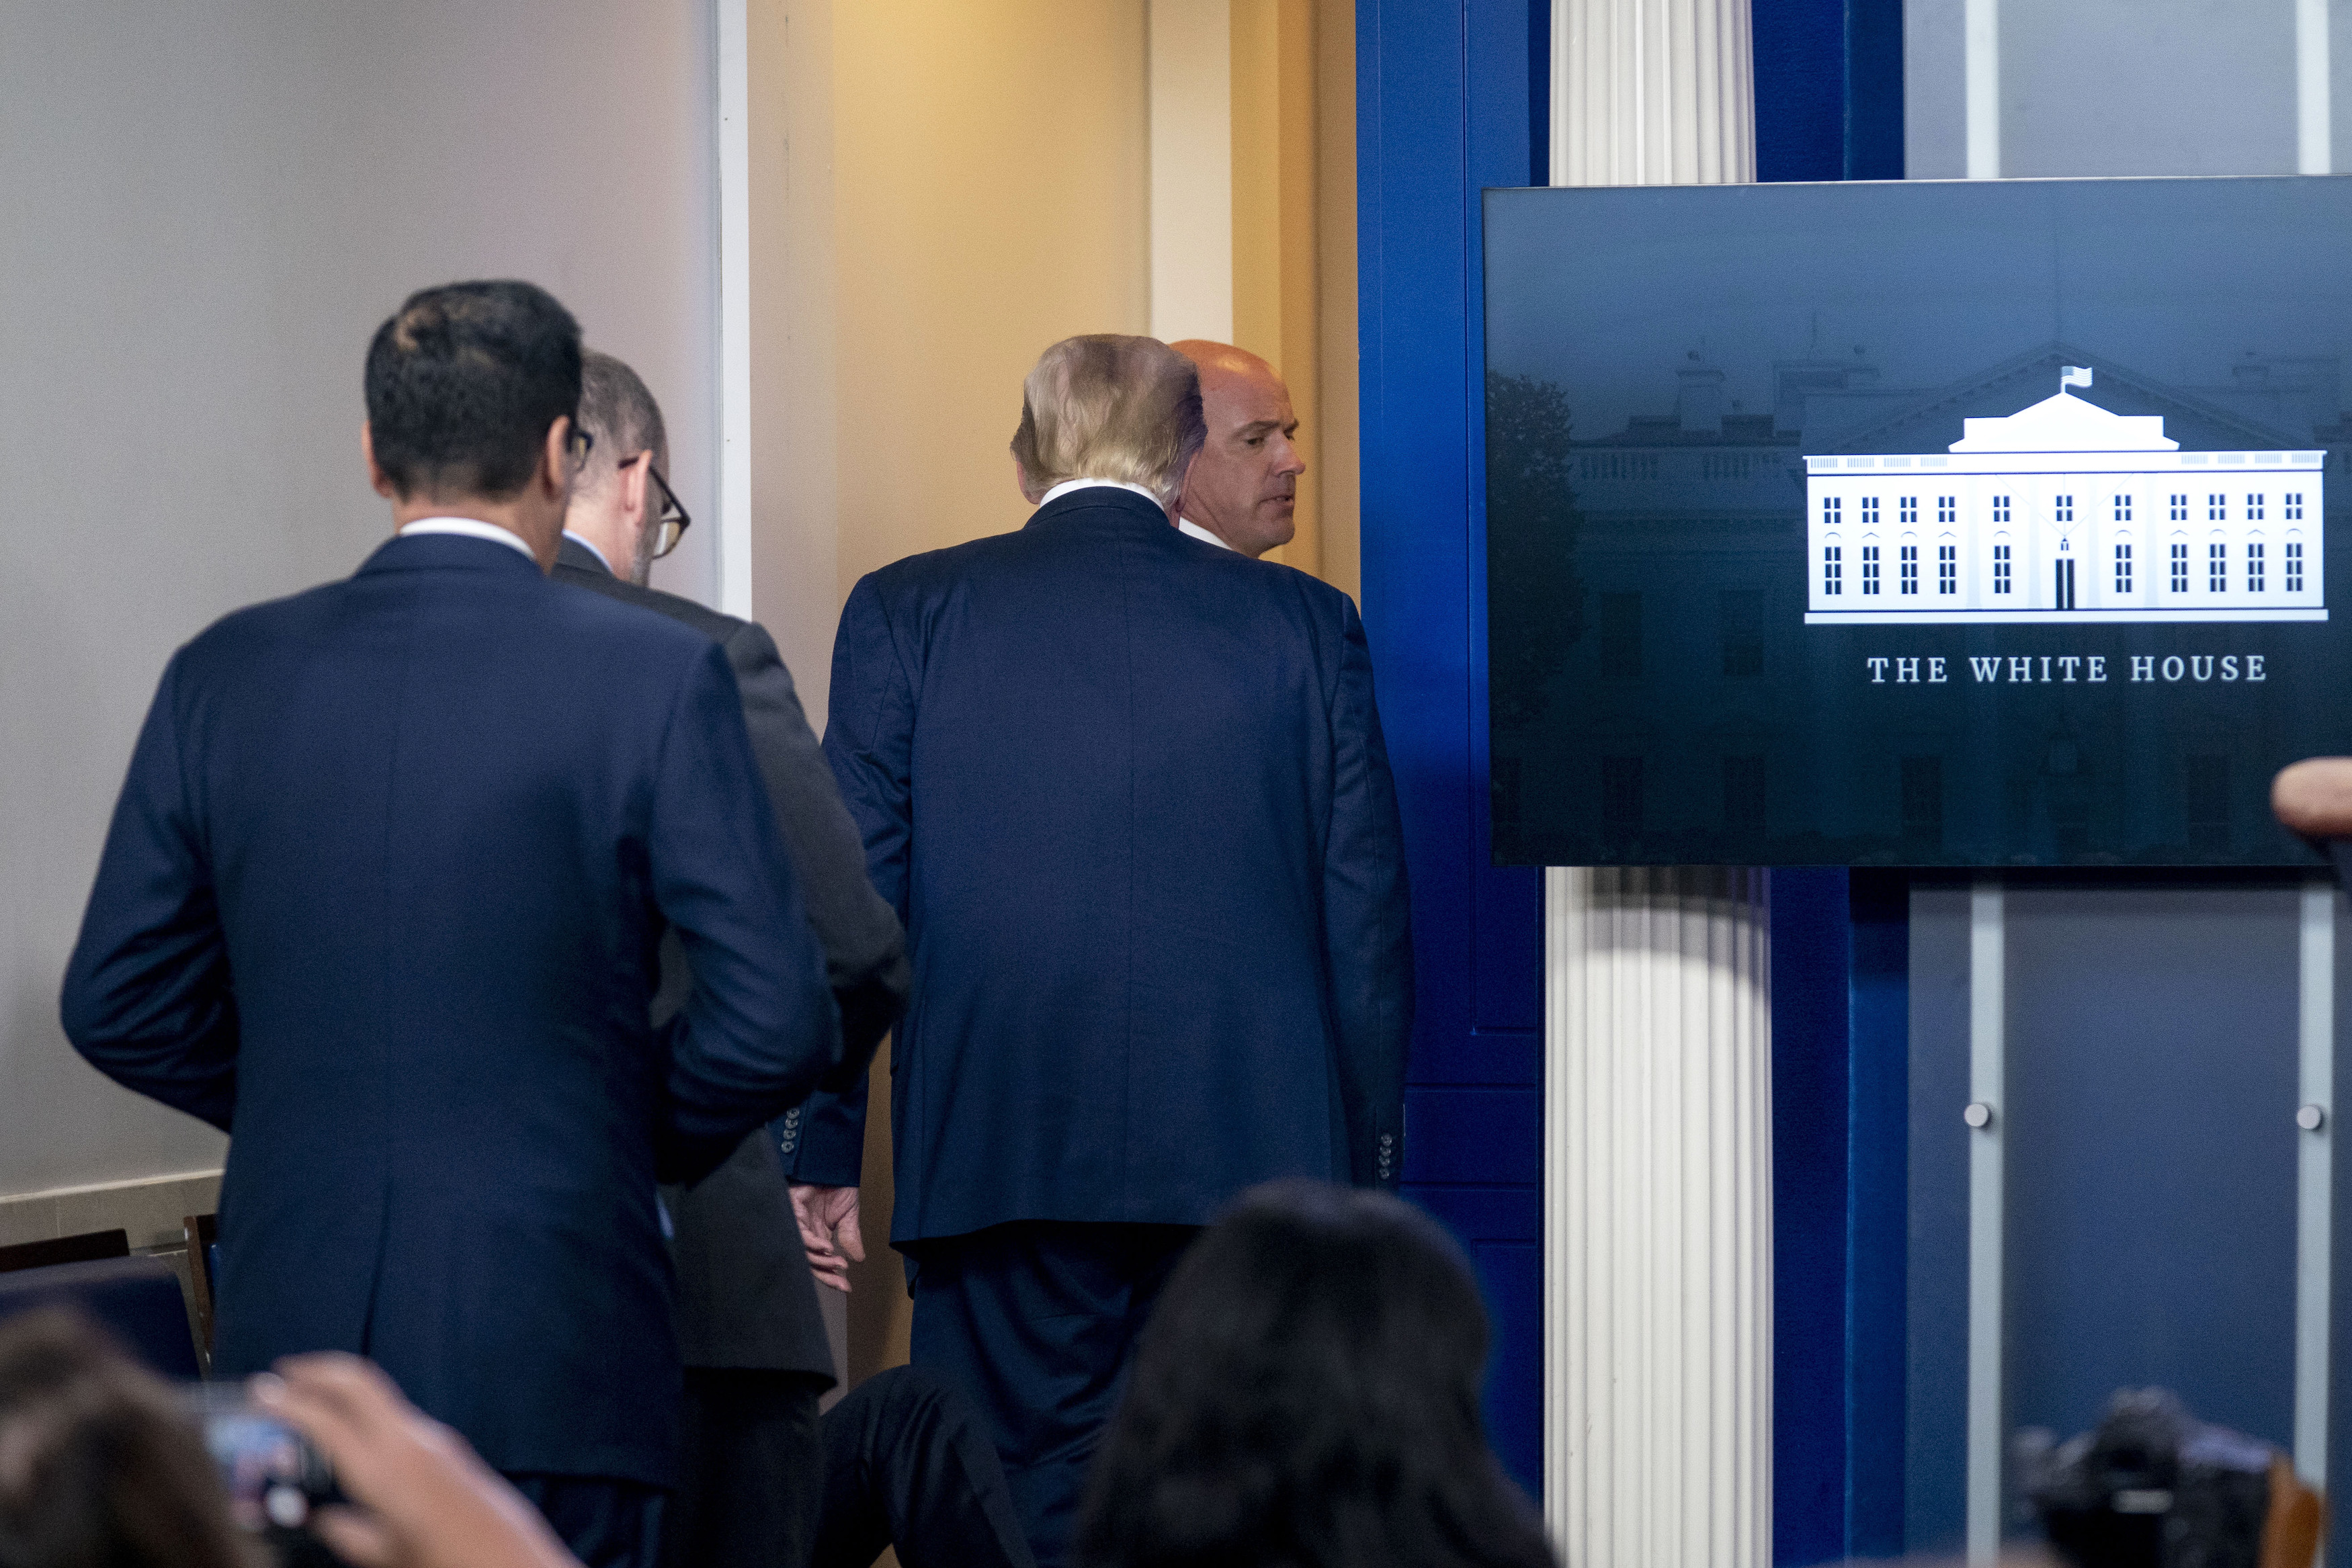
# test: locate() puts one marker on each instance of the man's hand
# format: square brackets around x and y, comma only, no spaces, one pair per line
[425,1500]
[828,1217]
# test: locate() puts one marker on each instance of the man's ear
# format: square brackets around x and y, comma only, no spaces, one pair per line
[637,492]
[1176,506]
[555,459]
[376,476]
[1031,493]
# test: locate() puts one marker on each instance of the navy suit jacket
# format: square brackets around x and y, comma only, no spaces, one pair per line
[1127,792]
[382,899]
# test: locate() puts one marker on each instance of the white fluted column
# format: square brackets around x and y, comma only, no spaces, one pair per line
[1658,1015]
[1652,92]
[1659,1177]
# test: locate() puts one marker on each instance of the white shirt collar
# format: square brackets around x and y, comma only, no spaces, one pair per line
[591,549]
[1187,525]
[469,527]
[1066,485]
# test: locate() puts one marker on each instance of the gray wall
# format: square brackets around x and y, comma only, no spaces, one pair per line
[2123,87]
[208,208]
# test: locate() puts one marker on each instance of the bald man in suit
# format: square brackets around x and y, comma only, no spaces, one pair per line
[1242,491]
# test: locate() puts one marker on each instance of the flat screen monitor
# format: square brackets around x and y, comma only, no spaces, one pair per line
[1964,524]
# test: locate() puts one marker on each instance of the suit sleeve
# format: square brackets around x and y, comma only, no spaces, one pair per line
[865,949]
[147,1000]
[1368,921]
[869,741]
[758,1031]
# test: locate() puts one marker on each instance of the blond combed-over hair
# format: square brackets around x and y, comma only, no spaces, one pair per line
[1105,406]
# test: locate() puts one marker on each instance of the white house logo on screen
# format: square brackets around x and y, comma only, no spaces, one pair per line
[2063,511]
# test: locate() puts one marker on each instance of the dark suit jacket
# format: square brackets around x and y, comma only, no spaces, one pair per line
[745,1296]
[381,898]
[1129,794]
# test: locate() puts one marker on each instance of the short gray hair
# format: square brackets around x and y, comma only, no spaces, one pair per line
[1110,407]
[616,409]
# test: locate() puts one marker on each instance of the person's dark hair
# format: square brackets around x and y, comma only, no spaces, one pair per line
[463,381]
[1306,1396]
[100,1465]
[618,410]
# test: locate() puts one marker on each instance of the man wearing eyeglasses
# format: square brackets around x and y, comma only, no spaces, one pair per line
[624,516]
[748,1329]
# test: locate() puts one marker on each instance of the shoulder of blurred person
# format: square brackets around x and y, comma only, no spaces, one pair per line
[1306,1396]
[100,1462]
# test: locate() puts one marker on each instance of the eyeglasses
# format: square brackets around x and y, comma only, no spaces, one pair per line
[579,443]
[671,519]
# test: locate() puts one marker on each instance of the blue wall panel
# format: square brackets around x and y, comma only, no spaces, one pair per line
[1812,946]
[1878,1177]
[1841,1108]
[1829,88]
[1473,1136]
[1513,1274]
[1444,108]
[1484,1213]
[1936,1245]
[1799,52]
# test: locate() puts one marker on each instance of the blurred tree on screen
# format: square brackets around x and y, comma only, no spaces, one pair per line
[1534,601]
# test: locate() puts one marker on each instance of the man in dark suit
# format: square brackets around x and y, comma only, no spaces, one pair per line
[757,1358]
[381,898]
[1127,791]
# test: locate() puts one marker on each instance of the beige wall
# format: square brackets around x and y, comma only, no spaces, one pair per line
[1275,282]
[1340,496]
[991,197]
[1192,60]
[1254,212]
[960,182]
[209,209]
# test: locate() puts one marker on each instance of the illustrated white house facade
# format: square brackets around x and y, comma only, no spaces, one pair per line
[2063,511]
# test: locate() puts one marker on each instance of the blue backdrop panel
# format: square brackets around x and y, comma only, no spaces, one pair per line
[1829,88]
[1878,1173]
[2151,1048]
[1444,108]
[1812,955]
[1841,1076]
[2151,1227]
[1934,1433]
